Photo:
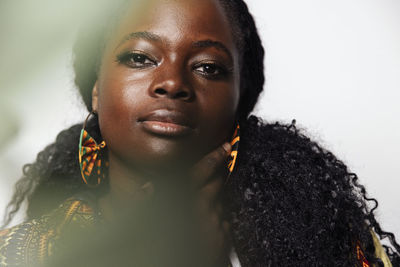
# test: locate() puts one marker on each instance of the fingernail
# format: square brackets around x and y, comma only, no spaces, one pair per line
[227,147]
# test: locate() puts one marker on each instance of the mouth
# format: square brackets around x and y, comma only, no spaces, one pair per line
[168,123]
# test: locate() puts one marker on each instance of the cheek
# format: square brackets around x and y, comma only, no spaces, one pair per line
[219,114]
[119,100]
[121,92]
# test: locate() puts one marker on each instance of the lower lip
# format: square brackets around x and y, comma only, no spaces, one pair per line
[166,128]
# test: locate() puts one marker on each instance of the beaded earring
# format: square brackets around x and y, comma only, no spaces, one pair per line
[89,158]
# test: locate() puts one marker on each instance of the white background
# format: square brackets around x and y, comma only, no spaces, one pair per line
[334,66]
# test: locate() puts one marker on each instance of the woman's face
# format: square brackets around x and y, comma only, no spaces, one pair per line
[168,86]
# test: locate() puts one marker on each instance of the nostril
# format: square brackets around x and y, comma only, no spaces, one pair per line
[160,91]
[182,94]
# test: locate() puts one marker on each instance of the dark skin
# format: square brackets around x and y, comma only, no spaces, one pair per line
[167,95]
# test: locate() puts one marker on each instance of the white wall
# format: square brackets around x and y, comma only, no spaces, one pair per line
[334,66]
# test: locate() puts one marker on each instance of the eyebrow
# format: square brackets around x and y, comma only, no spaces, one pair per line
[154,37]
[140,35]
[214,44]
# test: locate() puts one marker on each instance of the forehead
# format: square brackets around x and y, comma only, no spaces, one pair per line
[176,20]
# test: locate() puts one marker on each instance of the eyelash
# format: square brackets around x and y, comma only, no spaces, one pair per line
[221,70]
[138,60]
[131,59]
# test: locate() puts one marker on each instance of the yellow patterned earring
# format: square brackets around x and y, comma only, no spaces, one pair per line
[235,147]
[89,159]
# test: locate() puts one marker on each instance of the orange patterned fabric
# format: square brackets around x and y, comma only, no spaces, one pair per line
[360,256]
[89,157]
[33,242]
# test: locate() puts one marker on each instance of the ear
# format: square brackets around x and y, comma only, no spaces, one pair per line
[95,98]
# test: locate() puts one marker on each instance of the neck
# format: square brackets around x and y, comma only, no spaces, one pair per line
[129,187]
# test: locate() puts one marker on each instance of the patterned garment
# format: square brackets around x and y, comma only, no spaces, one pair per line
[33,242]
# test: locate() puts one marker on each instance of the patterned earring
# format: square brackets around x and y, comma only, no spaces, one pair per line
[89,155]
[235,147]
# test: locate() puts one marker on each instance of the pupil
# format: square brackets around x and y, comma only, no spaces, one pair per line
[209,68]
[139,58]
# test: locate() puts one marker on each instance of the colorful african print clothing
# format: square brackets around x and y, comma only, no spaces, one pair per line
[31,243]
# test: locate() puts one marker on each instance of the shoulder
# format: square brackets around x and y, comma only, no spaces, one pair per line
[34,241]
[380,251]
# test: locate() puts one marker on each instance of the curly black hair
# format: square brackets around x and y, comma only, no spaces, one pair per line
[291,202]
[290,195]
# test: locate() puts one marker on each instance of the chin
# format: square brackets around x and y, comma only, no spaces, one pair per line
[161,156]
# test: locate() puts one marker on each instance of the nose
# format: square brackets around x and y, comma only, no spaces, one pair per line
[171,82]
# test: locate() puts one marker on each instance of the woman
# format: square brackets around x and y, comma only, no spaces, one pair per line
[169,82]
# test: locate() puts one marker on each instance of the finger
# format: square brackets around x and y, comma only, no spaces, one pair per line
[209,192]
[203,170]
[219,209]
[206,199]
[223,223]
[213,224]
[226,227]
[223,238]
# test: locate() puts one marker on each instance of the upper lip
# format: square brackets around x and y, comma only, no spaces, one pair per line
[170,116]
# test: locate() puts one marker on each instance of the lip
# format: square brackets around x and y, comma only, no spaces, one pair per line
[166,122]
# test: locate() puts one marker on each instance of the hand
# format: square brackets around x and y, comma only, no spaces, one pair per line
[208,177]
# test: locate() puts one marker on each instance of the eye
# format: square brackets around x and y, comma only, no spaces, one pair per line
[211,70]
[136,60]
